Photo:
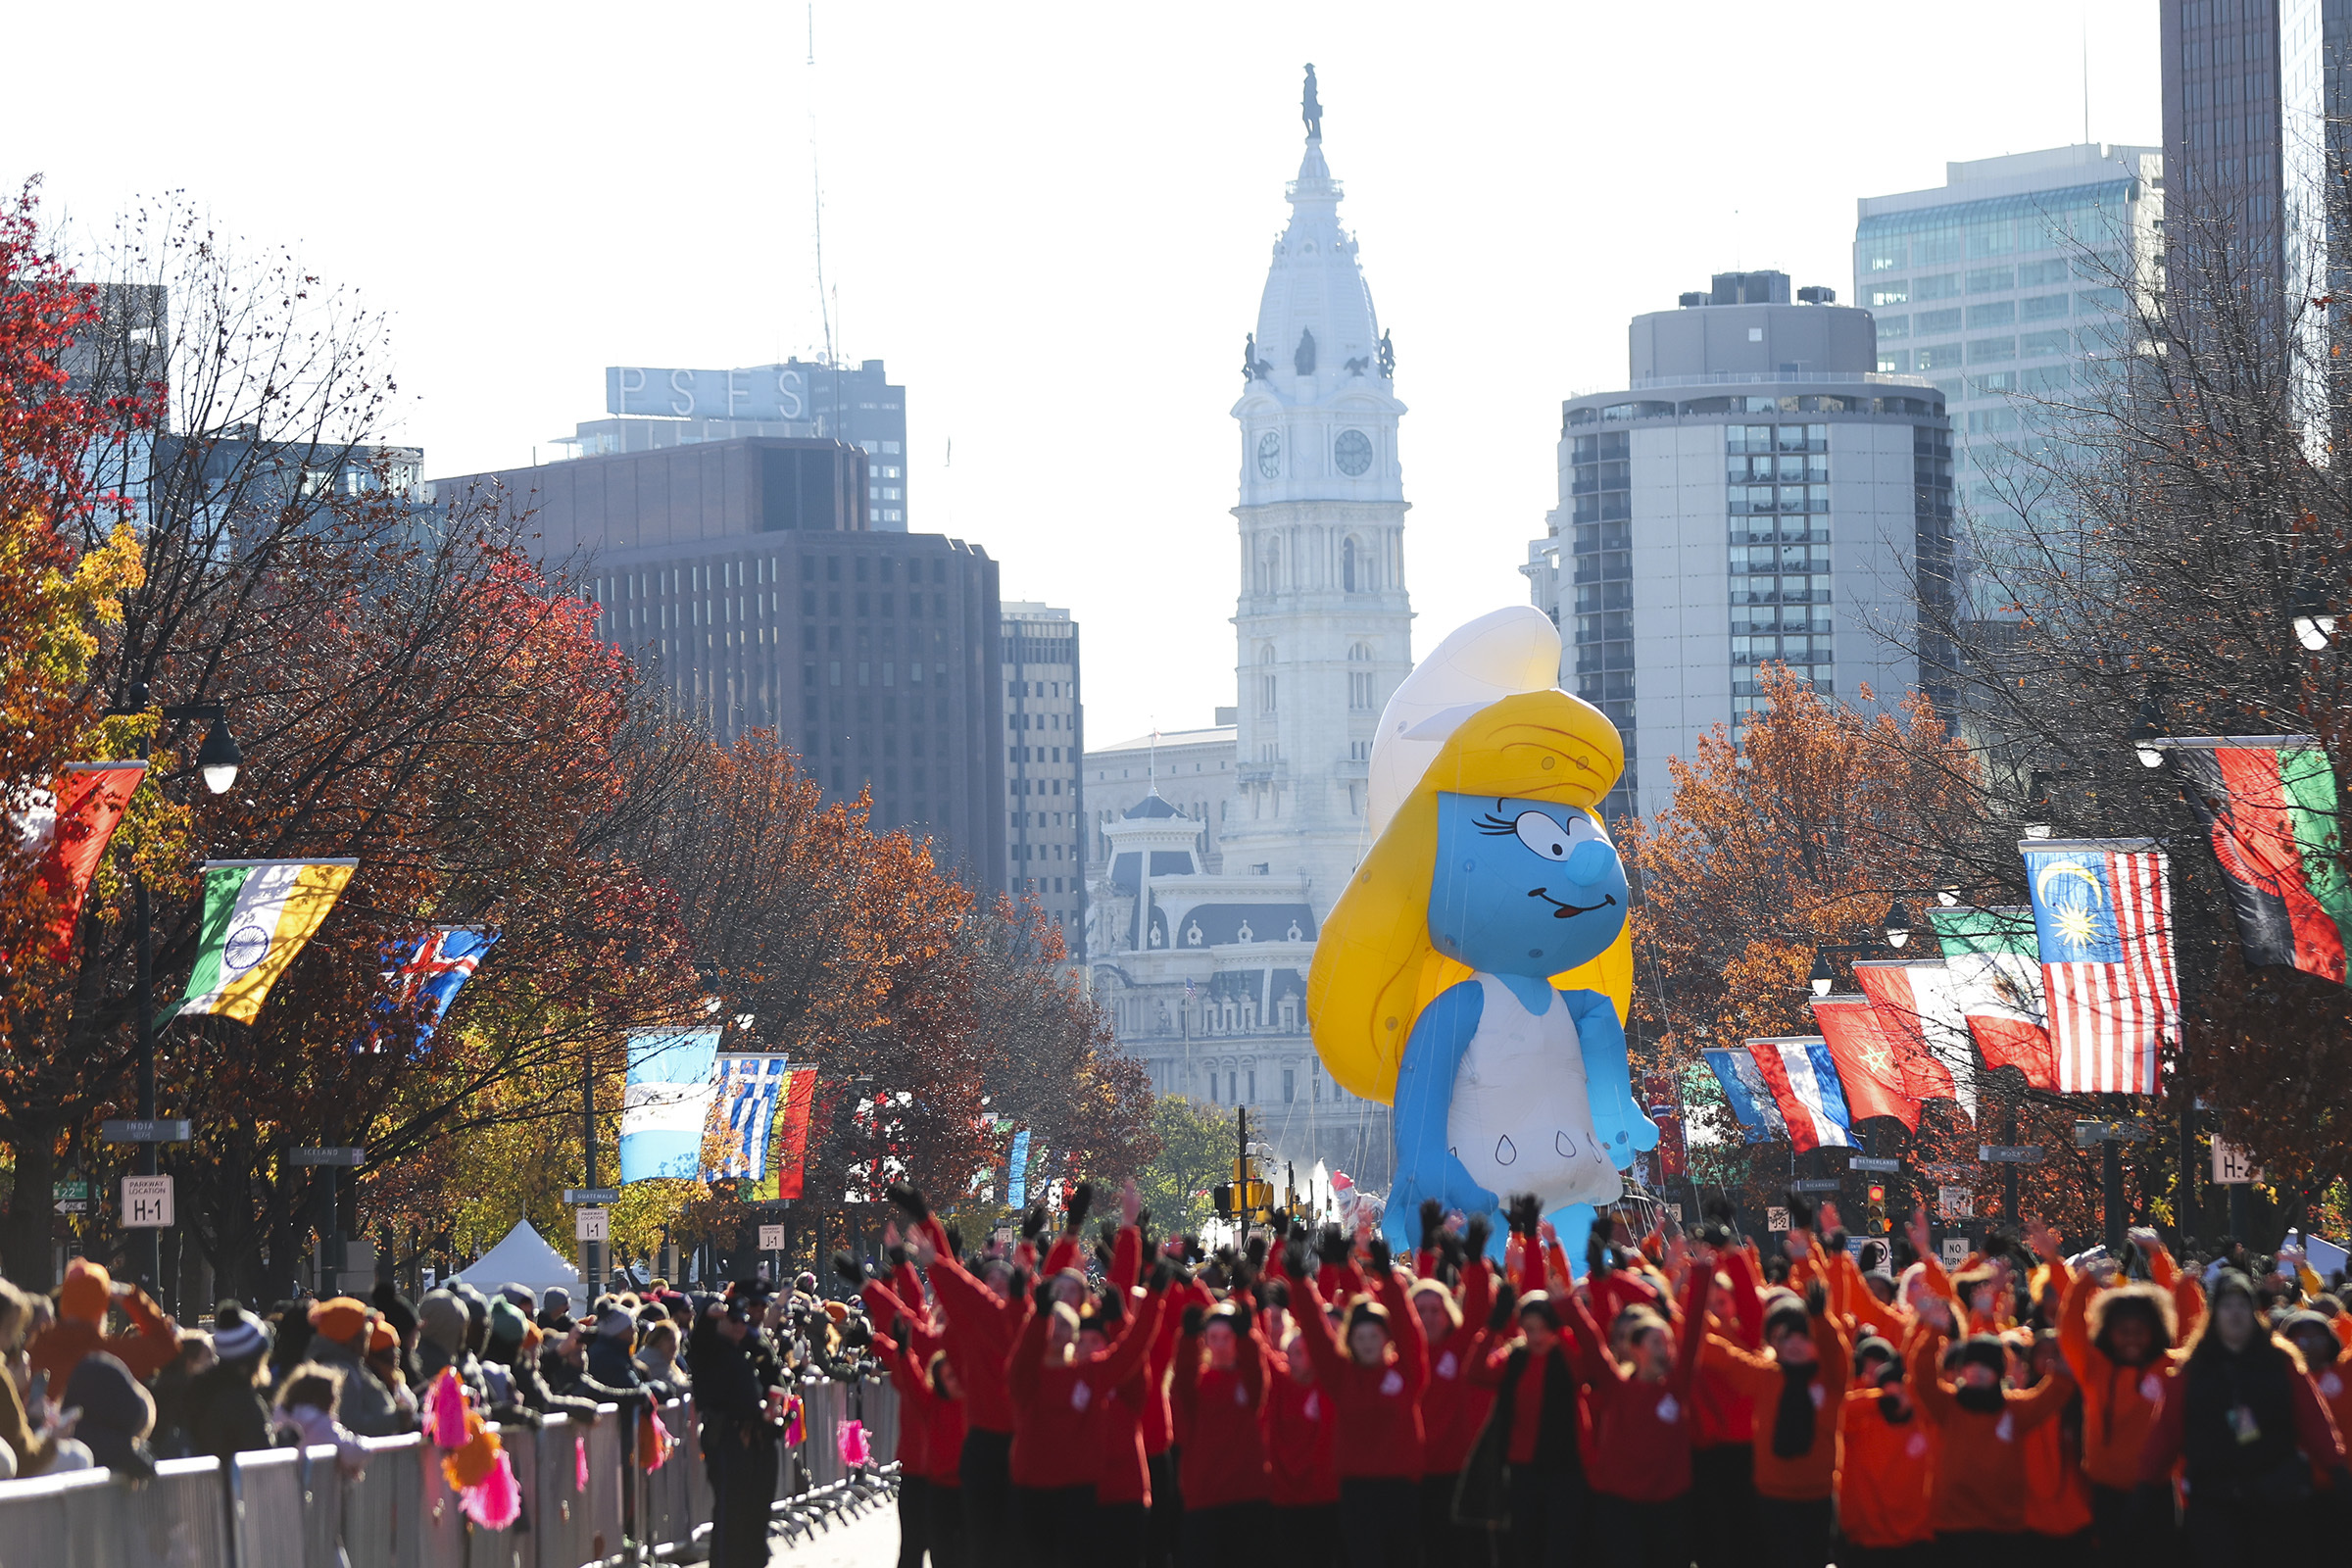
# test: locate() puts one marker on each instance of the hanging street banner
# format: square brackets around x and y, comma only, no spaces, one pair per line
[1915,999]
[69,826]
[425,980]
[665,1102]
[2273,813]
[1749,1096]
[2103,922]
[257,916]
[1994,962]
[784,1173]
[1803,1079]
[1873,1060]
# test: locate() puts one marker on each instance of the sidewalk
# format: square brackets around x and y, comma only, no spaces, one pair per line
[868,1541]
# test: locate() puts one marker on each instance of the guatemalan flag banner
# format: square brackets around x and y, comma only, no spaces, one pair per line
[426,981]
[2103,920]
[1804,1084]
[1749,1096]
[666,1103]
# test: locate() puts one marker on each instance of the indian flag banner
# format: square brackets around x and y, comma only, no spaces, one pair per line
[257,915]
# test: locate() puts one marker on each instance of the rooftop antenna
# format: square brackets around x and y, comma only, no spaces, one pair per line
[816,189]
[2086,78]
[1151,762]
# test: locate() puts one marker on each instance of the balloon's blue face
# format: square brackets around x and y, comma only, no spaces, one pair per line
[1523,887]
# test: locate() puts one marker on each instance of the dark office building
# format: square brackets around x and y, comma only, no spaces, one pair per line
[1044,736]
[745,575]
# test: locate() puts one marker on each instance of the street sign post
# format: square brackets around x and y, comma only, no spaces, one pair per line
[70,1196]
[1954,1202]
[2005,1154]
[771,1238]
[152,1130]
[146,1202]
[343,1155]
[1829,1184]
[2091,1134]
[592,1194]
[1775,1219]
[592,1225]
[2232,1166]
[1885,1167]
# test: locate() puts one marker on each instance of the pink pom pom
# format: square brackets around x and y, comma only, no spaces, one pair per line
[854,1449]
[580,1464]
[445,1411]
[794,1430]
[497,1502]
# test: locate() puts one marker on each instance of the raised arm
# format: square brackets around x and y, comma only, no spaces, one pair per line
[1589,1355]
[1126,1355]
[1928,1387]
[1321,1347]
[2084,1359]
[1028,1356]
[1404,1324]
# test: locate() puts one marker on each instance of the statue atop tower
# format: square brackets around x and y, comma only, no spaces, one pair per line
[1311,107]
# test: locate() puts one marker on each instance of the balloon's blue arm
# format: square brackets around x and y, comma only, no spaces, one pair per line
[1426,1167]
[1625,1129]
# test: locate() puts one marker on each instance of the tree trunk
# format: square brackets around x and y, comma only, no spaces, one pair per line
[25,1232]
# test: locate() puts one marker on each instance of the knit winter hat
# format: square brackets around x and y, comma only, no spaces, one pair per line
[442,1319]
[477,1306]
[521,1296]
[507,1322]
[380,1338]
[556,1299]
[1986,1350]
[614,1322]
[87,1292]
[237,1334]
[111,1399]
[340,1320]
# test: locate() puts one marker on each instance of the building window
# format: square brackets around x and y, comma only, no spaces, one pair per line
[1349,569]
[1266,681]
[1359,681]
[1289,1085]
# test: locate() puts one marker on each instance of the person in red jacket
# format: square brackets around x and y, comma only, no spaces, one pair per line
[1060,1392]
[1452,1407]
[1885,1467]
[1218,1389]
[1302,1472]
[1639,1377]
[1375,1389]
[1529,1466]
[1723,1463]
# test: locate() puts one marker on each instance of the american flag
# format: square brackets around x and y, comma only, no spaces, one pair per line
[2103,920]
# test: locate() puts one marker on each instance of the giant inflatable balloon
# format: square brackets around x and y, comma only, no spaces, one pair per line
[1476,972]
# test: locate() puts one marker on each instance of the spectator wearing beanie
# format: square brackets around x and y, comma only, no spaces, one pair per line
[339,1342]
[146,1347]
[555,1310]
[442,1324]
[384,1361]
[116,1414]
[513,1349]
[611,1353]
[226,1413]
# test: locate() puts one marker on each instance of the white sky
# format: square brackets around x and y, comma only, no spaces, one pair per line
[1052,223]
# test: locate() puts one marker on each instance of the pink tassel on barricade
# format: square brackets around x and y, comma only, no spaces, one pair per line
[445,1411]
[854,1449]
[497,1502]
[579,1463]
[654,1441]
[795,1428]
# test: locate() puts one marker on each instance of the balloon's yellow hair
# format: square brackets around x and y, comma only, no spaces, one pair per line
[1374,968]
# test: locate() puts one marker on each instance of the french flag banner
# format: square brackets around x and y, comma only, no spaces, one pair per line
[1749,1094]
[1804,1084]
[2103,920]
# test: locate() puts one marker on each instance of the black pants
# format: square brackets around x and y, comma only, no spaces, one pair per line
[1723,1505]
[1052,1526]
[1919,1554]
[1548,1514]
[1218,1538]
[1795,1533]
[2136,1529]
[742,1464]
[1380,1522]
[2241,1532]
[1445,1544]
[1119,1529]
[1977,1548]
[985,1467]
[1642,1535]
[914,1520]
[1304,1538]
[1167,1510]
[945,1525]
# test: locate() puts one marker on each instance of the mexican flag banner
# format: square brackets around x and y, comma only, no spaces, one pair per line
[1994,960]
[257,915]
[2271,808]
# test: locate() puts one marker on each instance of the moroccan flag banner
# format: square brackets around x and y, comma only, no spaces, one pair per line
[2103,920]
[2273,812]
[788,1137]
[69,827]
[1914,1000]
[1870,1055]
[426,981]
[1994,959]
[665,1102]
[1747,1092]
[1804,1080]
[257,916]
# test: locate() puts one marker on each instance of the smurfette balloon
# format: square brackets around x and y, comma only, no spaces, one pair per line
[1476,971]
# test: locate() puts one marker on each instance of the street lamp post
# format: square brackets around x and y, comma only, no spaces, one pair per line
[216,762]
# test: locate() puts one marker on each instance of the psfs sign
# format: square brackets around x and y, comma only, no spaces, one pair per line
[771,395]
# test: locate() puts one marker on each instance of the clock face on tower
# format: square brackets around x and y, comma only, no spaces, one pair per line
[1353,452]
[1269,454]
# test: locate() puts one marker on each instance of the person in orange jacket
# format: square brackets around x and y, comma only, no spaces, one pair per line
[82,1302]
[1982,1426]
[1886,1466]
[1797,1384]
[2058,1512]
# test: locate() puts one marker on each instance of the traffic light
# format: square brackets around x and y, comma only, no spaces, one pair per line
[1877,1208]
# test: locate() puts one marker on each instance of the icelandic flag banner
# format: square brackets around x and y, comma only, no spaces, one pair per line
[743,1106]
[426,981]
[1751,1098]
[666,1103]
[1804,1085]
[2103,920]
[1016,1173]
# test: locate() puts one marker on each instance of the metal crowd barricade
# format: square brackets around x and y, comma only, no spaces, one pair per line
[666,1507]
[90,1519]
[285,1507]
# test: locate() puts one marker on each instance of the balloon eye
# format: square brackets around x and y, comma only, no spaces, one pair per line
[1542,835]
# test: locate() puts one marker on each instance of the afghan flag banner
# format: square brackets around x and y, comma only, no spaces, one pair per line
[1872,1057]
[257,916]
[1914,1000]
[69,828]
[1994,959]
[787,1138]
[2271,806]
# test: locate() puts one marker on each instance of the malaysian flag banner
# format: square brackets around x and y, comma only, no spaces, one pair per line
[735,1135]
[424,982]
[1749,1094]
[1803,1079]
[2103,920]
